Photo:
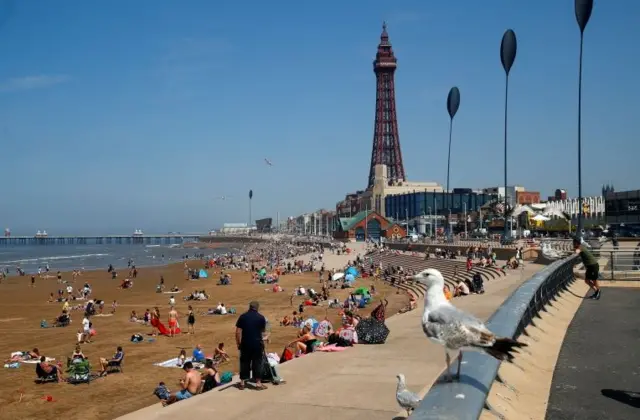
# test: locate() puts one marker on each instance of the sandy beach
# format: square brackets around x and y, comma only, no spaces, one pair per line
[23,307]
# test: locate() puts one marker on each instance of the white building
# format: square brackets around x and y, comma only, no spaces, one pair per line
[236,229]
[592,207]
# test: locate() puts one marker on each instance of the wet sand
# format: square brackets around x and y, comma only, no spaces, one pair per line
[22,308]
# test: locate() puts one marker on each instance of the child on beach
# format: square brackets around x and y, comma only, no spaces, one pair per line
[182,357]
[114,306]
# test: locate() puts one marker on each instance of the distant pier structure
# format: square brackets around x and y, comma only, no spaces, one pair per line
[135,239]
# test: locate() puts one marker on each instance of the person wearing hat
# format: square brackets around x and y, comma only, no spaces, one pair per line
[592,268]
[249,329]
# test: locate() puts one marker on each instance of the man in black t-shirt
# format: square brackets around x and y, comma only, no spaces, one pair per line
[249,329]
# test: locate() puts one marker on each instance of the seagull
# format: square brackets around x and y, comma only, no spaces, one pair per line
[268,162]
[406,399]
[448,326]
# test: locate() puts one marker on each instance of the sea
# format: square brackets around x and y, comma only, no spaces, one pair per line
[94,257]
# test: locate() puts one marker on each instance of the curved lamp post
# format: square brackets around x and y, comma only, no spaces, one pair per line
[250,198]
[453,103]
[583,10]
[508,49]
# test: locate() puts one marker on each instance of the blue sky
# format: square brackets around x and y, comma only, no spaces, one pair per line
[118,114]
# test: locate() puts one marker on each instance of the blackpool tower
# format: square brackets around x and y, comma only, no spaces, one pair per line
[386,142]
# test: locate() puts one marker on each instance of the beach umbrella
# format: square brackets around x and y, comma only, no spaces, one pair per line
[372,331]
[312,323]
[353,271]
[324,329]
[337,276]
[362,291]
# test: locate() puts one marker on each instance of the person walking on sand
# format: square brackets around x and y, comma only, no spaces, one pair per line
[591,266]
[173,321]
[191,321]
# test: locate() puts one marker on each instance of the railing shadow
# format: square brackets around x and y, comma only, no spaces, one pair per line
[627,397]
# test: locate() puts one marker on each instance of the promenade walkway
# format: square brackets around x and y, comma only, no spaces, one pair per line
[357,383]
[598,372]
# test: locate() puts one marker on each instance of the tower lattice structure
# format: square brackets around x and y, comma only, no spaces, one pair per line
[386,141]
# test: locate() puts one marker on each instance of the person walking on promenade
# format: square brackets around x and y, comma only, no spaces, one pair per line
[249,329]
[592,268]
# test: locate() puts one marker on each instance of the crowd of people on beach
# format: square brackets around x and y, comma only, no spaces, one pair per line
[267,262]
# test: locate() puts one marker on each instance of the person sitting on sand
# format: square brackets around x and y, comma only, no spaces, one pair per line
[182,357]
[306,341]
[189,385]
[77,354]
[50,369]
[210,376]
[198,354]
[219,354]
[285,321]
[175,289]
[172,301]
[133,317]
[114,361]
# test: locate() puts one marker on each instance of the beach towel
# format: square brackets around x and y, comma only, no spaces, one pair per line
[173,363]
[331,348]
[34,361]
[172,293]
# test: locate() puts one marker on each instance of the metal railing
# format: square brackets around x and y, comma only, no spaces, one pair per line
[467,398]
[620,264]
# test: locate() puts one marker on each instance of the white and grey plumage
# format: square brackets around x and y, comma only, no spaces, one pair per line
[406,399]
[456,330]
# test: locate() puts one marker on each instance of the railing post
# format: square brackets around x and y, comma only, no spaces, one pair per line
[612,265]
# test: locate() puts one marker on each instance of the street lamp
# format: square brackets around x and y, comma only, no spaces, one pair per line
[453,103]
[465,219]
[583,10]
[508,48]
[250,198]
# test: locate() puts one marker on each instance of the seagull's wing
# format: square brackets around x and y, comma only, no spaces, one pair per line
[407,399]
[457,329]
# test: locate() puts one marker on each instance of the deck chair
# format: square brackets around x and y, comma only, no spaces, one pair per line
[114,367]
[79,372]
[44,377]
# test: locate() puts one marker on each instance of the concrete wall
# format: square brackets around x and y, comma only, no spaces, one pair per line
[501,253]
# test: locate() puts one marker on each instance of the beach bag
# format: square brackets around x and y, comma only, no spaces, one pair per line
[137,338]
[349,334]
[226,377]
[162,392]
[232,311]
[286,356]
[44,324]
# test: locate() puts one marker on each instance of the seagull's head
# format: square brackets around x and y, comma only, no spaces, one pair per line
[400,377]
[430,277]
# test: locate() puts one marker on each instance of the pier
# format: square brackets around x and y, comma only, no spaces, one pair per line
[99,240]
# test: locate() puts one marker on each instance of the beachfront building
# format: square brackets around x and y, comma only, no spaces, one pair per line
[368,225]
[319,223]
[623,209]
[235,229]
[423,209]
